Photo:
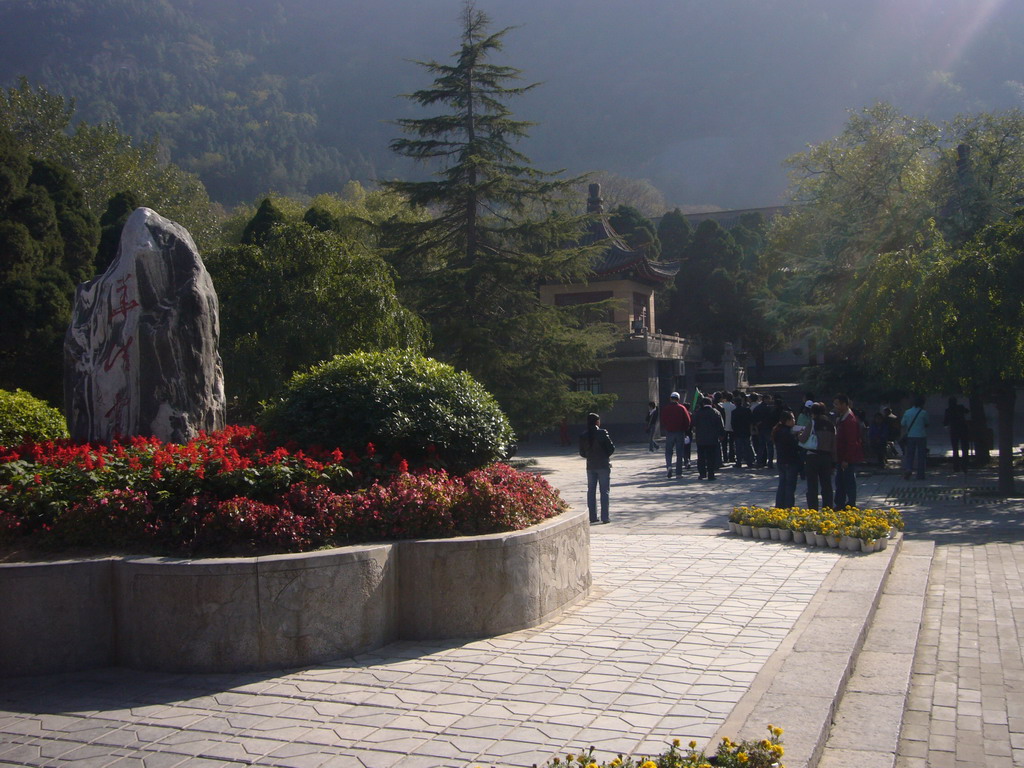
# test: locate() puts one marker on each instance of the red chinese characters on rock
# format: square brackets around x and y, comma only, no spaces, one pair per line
[124,306]
[120,353]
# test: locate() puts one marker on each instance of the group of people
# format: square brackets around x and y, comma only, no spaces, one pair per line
[821,445]
[754,431]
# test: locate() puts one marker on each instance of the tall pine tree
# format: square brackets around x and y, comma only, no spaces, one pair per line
[498,231]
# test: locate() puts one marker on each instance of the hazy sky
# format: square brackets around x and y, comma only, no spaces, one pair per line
[706,98]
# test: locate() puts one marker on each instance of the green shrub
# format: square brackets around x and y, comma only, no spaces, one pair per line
[400,402]
[24,417]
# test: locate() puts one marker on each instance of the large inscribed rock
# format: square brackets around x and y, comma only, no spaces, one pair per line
[140,355]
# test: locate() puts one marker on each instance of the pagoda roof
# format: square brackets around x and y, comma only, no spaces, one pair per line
[619,258]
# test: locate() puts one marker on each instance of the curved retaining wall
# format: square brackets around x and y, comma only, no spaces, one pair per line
[233,614]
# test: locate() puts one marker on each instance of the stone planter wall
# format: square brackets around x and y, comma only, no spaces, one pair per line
[233,614]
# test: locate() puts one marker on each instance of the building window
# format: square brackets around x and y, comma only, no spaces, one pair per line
[590,384]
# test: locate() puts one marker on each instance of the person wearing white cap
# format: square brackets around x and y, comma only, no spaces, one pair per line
[675,423]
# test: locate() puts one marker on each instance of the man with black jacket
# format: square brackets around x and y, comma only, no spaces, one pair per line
[708,429]
[596,447]
[742,419]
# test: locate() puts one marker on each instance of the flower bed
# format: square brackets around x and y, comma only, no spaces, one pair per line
[766,753]
[234,492]
[864,530]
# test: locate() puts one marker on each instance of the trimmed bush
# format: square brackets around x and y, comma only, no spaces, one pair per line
[24,418]
[401,403]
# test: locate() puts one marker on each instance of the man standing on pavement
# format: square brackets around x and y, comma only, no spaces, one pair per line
[765,419]
[708,429]
[742,421]
[849,452]
[596,446]
[915,426]
[728,444]
[675,423]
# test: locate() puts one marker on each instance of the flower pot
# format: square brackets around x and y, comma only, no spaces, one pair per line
[866,545]
[881,544]
[849,543]
[785,534]
[798,537]
[819,540]
[744,530]
[832,541]
[775,533]
[733,527]
[764,533]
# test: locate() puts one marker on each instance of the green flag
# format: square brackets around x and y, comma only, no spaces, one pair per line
[697,395]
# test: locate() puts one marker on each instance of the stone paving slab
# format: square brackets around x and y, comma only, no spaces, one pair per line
[681,622]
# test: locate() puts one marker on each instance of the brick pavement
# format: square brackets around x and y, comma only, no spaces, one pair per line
[966,701]
[964,706]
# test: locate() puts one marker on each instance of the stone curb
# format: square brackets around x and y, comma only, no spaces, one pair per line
[216,615]
[868,721]
[803,682]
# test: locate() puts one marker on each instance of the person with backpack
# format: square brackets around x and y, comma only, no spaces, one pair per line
[596,447]
[818,440]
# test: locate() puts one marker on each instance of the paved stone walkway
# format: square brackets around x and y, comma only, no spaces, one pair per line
[683,624]
[966,702]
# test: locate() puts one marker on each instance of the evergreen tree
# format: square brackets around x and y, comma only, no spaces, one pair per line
[258,230]
[112,222]
[708,288]
[47,241]
[636,229]
[674,233]
[498,232]
[320,218]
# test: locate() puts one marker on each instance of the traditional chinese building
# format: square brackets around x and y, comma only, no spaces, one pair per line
[646,364]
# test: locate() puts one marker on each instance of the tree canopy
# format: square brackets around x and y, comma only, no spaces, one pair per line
[104,162]
[903,254]
[948,319]
[297,296]
[48,239]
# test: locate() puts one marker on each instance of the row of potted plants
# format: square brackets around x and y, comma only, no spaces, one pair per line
[749,753]
[853,529]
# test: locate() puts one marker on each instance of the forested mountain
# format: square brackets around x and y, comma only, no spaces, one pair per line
[703,98]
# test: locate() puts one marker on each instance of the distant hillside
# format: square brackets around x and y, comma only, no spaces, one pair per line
[704,99]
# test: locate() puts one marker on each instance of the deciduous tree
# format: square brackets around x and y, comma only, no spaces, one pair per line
[945,319]
[299,296]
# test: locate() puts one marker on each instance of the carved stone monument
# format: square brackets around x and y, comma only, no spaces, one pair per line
[140,355]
